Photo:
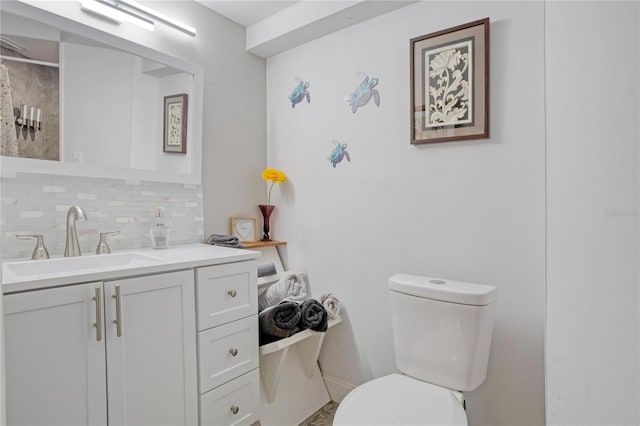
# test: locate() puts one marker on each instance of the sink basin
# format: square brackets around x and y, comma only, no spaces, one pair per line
[68,265]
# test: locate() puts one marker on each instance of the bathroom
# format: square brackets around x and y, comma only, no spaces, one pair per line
[545,209]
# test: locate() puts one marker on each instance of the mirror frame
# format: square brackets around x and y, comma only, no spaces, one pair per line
[76,23]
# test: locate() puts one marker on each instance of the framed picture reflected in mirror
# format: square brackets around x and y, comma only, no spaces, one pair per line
[175,123]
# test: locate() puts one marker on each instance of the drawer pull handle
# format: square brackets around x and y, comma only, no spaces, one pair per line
[233,351]
[234,409]
[232,293]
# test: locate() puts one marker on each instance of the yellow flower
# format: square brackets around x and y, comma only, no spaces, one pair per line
[274,176]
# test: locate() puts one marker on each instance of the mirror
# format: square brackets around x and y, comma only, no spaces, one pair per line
[85,107]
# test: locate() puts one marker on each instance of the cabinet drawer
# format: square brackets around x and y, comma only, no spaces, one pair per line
[226,293]
[234,403]
[227,351]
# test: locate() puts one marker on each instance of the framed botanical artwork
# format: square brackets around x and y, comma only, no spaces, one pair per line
[450,84]
[244,228]
[175,123]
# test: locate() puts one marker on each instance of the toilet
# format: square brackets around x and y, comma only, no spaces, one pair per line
[442,335]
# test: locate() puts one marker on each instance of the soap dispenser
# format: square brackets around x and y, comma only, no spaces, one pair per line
[159,231]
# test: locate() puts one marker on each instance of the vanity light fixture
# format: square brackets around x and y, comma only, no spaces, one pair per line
[94,8]
[134,8]
[107,11]
[121,10]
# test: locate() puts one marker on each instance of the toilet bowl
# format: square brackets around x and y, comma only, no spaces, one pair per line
[442,336]
[397,399]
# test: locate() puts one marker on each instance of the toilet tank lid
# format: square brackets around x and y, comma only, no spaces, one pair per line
[443,289]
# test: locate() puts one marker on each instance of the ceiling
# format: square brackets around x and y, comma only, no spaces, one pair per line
[247,12]
[273,26]
[30,48]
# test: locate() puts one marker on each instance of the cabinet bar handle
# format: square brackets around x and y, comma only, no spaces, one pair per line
[98,323]
[234,409]
[233,351]
[118,320]
[232,293]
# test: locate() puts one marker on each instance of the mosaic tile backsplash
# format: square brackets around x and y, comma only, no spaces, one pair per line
[38,203]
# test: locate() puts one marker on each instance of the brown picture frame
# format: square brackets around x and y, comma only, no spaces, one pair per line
[450,84]
[176,108]
[244,229]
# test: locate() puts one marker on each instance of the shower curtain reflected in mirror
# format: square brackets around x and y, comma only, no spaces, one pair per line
[9,141]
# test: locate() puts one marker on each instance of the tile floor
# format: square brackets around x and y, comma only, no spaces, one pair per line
[322,417]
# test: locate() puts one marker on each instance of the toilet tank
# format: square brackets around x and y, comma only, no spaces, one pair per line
[442,329]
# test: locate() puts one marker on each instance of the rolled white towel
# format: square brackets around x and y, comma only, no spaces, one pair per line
[331,304]
[290,288]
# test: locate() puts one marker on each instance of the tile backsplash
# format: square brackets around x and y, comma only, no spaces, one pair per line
[38,203]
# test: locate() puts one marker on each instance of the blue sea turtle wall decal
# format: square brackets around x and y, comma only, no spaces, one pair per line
[339,153]
[299,93]
[363,93]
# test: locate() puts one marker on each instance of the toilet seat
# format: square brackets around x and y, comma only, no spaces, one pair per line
[397,399]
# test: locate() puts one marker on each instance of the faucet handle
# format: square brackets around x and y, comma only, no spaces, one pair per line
[40,252]
[103,247]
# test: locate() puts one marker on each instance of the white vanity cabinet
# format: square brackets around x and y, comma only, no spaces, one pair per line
[227,317]
[151,363]
[122,350]
[54,365]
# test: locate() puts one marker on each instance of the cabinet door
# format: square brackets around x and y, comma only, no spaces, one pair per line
[54,362]
[151,364]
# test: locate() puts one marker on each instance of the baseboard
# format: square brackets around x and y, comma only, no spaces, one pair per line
[337,388]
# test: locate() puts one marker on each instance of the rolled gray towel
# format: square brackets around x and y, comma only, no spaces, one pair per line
[224,240]
[266,270]
[314,315]
[279,321]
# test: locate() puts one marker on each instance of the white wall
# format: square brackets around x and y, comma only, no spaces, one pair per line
[234,123]
[593,258]
[470,211]
[171,85]
[113,110]
[146,120]
[147,124]
[96,98]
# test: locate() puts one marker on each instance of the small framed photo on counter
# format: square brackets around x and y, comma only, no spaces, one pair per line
[244,228]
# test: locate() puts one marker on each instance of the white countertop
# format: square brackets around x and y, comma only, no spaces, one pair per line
[164,260]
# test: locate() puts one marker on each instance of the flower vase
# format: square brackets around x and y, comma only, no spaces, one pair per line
[266,211]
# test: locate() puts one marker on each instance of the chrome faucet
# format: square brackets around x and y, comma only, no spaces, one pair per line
[72,247]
